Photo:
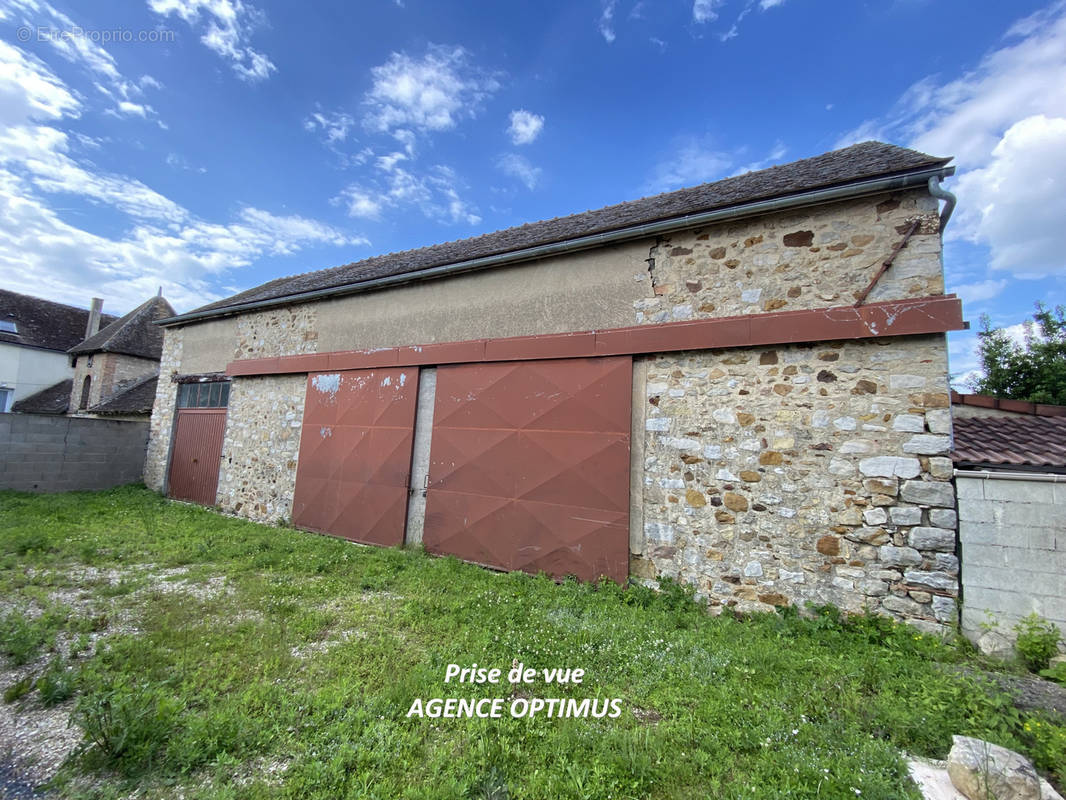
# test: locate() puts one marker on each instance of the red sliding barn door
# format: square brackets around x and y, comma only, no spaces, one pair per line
[529,466]
[355,454]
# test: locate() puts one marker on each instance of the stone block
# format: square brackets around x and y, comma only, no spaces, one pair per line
[891,556]
[970,488]
[921,538]
[905,515]
[927,444]
[941,468]
[1020,491]
[929,493]
[938,420]
[875,516]
[980,769]
[890,466]
[945,609]
[901,605]
[943,518]
[937,581]
[911,423]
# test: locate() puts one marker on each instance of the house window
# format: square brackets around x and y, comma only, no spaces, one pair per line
[85,386]
[89,363]
[213,394]
[5,399]
[8,326]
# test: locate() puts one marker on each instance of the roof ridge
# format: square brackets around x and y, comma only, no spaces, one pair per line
[852,164]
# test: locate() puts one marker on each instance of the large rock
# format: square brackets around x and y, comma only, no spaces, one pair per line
[985,771]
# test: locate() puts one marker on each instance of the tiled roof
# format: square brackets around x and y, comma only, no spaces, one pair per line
[135,399]
[1002,404]
[53,400]
[1022,441]
[839,167]
[133,335]
[42,323]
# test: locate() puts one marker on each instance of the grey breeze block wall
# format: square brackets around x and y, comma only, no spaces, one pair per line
[42,453]
[1013,552]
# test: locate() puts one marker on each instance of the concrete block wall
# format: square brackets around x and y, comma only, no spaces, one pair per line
[41,453]
[1013,543]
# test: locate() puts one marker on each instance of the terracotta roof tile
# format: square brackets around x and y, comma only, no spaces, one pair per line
[1022,441]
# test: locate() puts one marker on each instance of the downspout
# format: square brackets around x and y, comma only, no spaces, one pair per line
[942,194]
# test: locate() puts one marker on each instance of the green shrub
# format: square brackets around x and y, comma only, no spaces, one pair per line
[1038,641]
[20,637]
[18,689]
[1056,673]
[56,683]
[127,723]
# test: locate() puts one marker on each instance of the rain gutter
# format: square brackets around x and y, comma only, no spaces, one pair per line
[925,177]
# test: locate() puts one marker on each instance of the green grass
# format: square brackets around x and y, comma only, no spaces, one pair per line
[290,671]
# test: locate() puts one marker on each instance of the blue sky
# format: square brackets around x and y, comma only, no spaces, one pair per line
[207,146]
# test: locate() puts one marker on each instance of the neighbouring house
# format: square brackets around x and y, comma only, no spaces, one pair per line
[35,335]
[116,369]
[741,385]
[1010,459]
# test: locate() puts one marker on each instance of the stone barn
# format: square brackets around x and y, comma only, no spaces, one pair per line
[741,385]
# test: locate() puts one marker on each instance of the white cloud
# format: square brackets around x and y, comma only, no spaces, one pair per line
[979,291]
[767,4]
[84,51]
[333,124]
[519,167]
[606,18]
[1005,122]
[431,93]
[395,186]
[525,126]
[1016,203]
[705,10]
[164,244]
[229,25]
[692,161]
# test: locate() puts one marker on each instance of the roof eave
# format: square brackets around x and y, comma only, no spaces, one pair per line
[910,179]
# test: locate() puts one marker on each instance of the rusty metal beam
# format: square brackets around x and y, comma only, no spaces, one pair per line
[888,318]
[886,263]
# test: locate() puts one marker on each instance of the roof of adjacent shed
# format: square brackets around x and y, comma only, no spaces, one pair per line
[53,400]
[1022,441]
[136,399]
[42,323]
[849,165]
[134,334]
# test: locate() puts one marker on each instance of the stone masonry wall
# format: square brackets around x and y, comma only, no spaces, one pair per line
[258,473]
[277,332]
[812,258]
[166,401]
[109,373]
[807,473]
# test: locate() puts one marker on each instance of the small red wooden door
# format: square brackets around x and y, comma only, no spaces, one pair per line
[355,454]
[196,453]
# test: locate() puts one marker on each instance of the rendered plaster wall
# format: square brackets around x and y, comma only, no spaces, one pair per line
[804,474]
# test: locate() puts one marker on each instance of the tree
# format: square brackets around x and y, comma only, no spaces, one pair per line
[1034,371]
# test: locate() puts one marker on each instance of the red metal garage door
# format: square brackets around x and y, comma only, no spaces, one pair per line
[195,454]
[355,454]
[529,466]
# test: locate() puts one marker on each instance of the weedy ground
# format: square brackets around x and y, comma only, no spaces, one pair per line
[200,656]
